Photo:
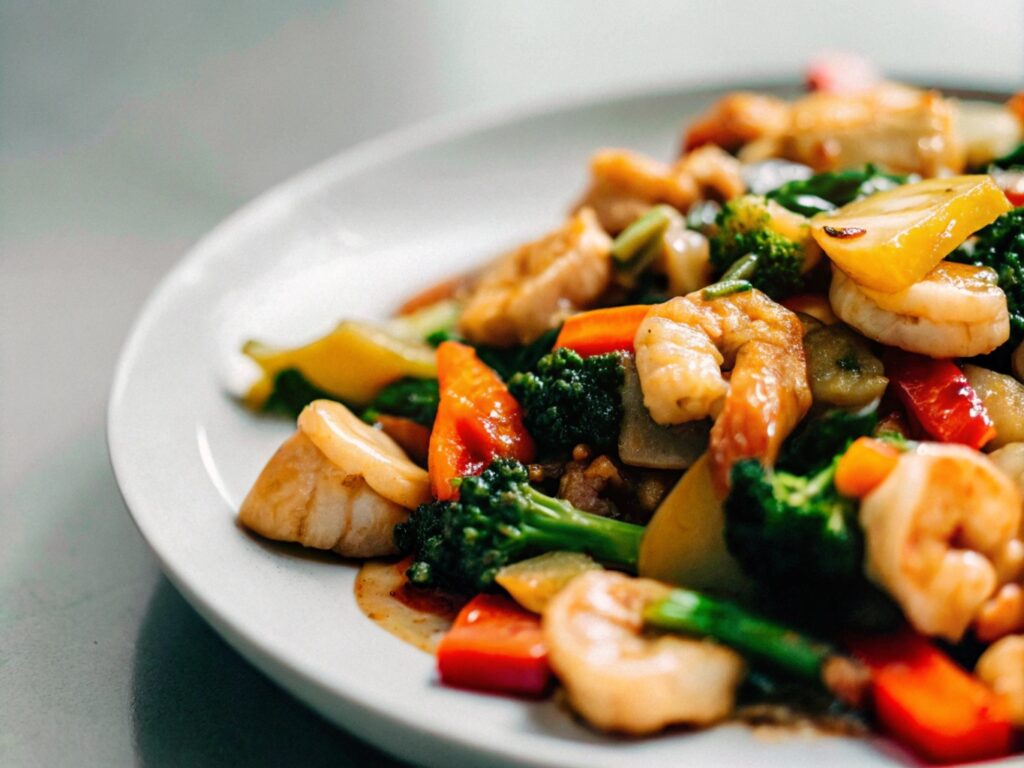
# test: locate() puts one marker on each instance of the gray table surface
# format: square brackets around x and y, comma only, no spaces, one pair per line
[126,131]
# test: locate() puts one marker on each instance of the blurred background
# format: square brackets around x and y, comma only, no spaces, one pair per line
[129,129]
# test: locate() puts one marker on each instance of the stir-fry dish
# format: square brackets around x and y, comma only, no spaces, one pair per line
[743,438]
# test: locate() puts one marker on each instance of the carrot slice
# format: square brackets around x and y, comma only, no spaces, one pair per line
[602,330]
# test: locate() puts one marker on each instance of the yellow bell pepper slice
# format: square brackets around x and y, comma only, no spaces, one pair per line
[534,582]
[353,362]
[892,239]
[684,543]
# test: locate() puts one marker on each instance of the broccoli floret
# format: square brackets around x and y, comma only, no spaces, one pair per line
[415,399]
[569,400]
[791,528]
[833,189]
[772,262]
[292,392]
[1001,247]
[499,518]
[792,532]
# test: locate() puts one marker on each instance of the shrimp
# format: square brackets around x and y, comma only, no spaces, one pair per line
[538,285]
[933,529]
[1003,613]
[625,184]
[1010,563]
[957,310]
[681,349]
[1001,667]
[337,483]
[620,679]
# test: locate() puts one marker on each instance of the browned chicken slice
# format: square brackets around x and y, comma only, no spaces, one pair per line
[900,128]
[625,184]
[535,287]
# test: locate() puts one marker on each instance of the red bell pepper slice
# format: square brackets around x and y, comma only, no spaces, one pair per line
[930,704]
[936,394]
[477,420]
[495,645]
[602,330]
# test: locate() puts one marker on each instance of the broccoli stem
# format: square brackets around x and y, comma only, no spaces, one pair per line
[801,492]
[693,613]
[557,525]
[637,236]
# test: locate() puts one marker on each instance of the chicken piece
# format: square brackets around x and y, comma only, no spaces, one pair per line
[621,679]
[898,128]
[902,129]
[538,285]
[337,484]
[717,173]
[625,184]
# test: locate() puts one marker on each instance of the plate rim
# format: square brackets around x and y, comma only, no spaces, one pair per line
[277,201]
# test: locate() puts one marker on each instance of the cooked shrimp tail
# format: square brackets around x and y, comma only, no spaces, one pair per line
[620,679]
[682,348]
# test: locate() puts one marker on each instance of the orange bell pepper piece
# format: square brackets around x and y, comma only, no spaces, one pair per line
[866,463]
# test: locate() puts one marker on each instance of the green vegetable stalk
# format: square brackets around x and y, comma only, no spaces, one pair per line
[759,639]
[637,245]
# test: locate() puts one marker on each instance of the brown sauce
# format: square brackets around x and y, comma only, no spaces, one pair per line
[421,617]
[417,616]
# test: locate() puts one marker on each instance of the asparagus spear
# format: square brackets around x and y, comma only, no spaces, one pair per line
[693,613]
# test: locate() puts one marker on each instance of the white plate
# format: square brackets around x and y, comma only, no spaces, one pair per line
[353,237]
